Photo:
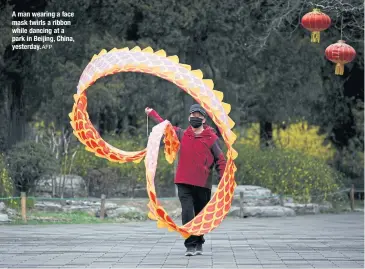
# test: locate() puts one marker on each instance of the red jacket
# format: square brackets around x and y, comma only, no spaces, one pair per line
[198,154]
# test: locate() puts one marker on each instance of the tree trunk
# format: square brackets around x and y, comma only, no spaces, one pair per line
[14,113]
[132,184]
[63,185]
[188,101]
[266,134]
[14,98]
[63,173]
[53,186]
[195,62]
[4,115]
[70,172]
[87,187]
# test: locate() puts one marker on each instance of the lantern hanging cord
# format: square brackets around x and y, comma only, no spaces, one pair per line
[341,24]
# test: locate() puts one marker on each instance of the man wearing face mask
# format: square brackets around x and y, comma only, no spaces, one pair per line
[199,153]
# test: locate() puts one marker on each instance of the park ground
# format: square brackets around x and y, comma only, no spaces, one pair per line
[314,241]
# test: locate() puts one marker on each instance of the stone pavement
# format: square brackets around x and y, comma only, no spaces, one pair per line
[317,241]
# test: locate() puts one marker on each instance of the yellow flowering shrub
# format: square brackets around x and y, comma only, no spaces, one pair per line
[298,136]
[6,184]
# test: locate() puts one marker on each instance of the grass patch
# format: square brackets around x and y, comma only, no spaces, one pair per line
[345,206]
[38,217]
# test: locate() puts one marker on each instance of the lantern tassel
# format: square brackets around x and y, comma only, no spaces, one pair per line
[339,69]
[315,37]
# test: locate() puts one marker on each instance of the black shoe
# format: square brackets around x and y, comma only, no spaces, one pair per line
[199,249]
[190,251]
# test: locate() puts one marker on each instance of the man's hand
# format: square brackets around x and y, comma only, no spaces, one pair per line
[147,110]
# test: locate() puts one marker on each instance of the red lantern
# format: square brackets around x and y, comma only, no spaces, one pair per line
[340,53]
[316,21]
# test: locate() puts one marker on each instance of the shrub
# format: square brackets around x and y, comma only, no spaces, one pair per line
[298,136]
[136,172]
[28,162]
[287,172]
[131,174]
[350,161]
[16,203]
[6,184]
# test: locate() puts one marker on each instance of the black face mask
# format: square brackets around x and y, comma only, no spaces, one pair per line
[196,122]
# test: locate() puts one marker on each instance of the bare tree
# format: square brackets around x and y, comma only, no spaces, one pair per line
[59,145]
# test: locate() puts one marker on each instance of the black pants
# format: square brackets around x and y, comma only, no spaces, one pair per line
[193,199]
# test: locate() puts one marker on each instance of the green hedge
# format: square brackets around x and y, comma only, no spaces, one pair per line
[287,172]
[86,161]
[15,203]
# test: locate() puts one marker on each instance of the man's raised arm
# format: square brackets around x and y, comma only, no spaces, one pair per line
[158,119]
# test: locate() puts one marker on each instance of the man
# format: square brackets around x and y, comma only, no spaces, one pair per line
[199,152]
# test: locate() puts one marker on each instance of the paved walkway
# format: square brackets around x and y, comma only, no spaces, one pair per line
[322,241]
